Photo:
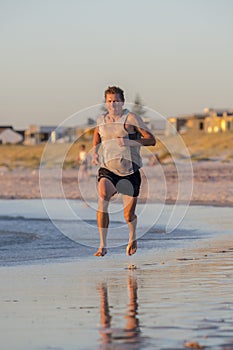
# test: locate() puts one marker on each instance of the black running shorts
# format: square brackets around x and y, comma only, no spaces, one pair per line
[129,184]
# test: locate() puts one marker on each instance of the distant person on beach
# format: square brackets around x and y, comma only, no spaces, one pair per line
[121,134]
[84,163]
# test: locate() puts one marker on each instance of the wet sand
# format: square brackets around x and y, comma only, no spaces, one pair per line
[174,300]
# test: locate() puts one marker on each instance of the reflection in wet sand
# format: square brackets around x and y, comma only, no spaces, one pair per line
[130,335]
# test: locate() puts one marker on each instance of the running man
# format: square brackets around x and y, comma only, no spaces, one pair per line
[121,134]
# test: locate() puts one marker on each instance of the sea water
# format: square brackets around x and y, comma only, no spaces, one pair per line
[42,231]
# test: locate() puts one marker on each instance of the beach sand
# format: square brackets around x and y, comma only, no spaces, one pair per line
[175,300]
[211,181]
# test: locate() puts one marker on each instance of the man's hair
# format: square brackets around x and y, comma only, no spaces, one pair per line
[115,90]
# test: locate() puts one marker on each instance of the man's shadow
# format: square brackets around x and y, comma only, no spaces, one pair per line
[130,335]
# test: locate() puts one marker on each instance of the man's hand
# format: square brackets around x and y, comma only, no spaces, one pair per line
[95,158]
[122,141]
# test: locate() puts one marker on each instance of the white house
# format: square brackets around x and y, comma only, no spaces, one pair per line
[10,136]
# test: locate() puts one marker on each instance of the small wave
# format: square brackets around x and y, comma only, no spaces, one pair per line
[9,238]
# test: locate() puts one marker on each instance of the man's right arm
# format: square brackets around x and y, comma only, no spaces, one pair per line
[96,145]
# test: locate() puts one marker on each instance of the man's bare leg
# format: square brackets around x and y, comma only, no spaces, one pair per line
[106,191]
[131,219]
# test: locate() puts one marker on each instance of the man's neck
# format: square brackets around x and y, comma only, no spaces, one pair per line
[115,116]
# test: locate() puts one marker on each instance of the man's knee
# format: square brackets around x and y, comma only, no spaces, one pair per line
[103,204]
[129,217]
[104,196]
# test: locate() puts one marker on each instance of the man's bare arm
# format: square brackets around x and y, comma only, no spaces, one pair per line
[96,145]
[147,139]
[135,123]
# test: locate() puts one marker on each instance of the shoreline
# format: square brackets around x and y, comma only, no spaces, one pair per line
[168,202]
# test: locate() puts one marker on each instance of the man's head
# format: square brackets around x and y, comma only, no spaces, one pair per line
[114,100]
[114,90]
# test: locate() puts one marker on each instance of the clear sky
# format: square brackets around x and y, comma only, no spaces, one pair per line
[58,56]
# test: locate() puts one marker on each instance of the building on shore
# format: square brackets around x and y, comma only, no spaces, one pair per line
[35,134]
[9,136]
[210,121]
[218,120]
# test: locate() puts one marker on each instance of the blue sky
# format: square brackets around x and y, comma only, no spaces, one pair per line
[58,56]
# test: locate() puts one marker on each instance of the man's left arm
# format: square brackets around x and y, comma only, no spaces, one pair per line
[136,124]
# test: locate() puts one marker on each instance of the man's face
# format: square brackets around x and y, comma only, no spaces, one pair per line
[114,104]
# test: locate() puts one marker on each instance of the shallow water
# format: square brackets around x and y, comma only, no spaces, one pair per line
[35,231]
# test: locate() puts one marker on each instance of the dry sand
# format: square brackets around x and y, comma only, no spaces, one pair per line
[212,183]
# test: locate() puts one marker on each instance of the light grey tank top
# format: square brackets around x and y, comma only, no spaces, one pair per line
[121,160]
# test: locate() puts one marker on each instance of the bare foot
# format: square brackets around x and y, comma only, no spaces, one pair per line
[101,252]
[131,248]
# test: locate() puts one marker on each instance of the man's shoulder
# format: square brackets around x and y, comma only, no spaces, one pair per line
[136,121]
[100,119]
[132,118]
